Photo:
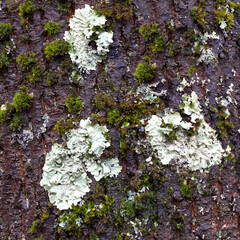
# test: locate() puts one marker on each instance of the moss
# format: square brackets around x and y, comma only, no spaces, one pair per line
[29,64]
[234,6]
[63,126]
[173,49]
[22,100]
[63,5]
[224,124]
[51,28]
[37,224]
[191,70]
[74,104]
[5,30]
[145,70]
[187,191]
[221,15]
[114,117]
[213,109]
[158,45]
[119,10]
[199,15]
[25,9]
[102,100]
[56,48]
[4,113]
[12,6]
[16,122]
[152,35]
[149,32]
[51,78]
[4,60]
[25,61]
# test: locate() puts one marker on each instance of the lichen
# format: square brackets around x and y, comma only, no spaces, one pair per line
[88,38]
[65,170]
[193,143]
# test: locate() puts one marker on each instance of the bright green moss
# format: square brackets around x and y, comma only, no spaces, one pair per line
[22,100]
[221,16]
[145,70]
[114,117]
[35,75]
[152,35]
[234,6]
[4,60]
[199,15]
[63,126]
[158,45]
[149,32]
[29,64]
[25,61]
[25,9]
[74,104]
[16,122]
[5,30]
[56,48]
[51,28]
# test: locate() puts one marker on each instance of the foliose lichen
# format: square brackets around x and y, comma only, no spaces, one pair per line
[88,38]
[189,143]
[65,170]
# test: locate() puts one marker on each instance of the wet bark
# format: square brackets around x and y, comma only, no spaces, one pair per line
[213,209]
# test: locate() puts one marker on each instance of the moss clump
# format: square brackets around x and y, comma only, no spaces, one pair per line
[221,16]
[223,124]
[22,100]
[102,100]
[16,122]
[57,48]
[114,117]
[4,60]
[25,61]
[74,104]
[187,191]
[63,126]
[149,32]
[51,28]
[29,64]
[5,30]
[25,9]
[119,10]
[145,70]
[199,15]
[152,35]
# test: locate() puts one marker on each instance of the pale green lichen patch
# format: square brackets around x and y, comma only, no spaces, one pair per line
[189,143]
[65,170]
[89,40]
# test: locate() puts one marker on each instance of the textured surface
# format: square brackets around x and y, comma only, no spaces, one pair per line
[213,210]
